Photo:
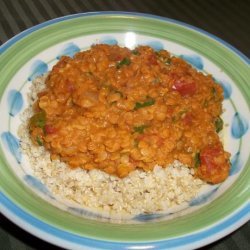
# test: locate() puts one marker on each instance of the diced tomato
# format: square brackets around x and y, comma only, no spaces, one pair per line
[184,87]
[36,107]
[42,93]
[61,63]
[152,60]
[141,137]
[133,162]
[115,57]
[208,156]
[160,142]
[49,129]
[214,166]
[188,119]
[170,110]
[70,87]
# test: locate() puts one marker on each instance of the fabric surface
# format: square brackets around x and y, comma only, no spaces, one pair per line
[229,20]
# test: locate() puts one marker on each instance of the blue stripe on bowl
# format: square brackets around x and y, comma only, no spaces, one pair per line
[15,102]
[156,45]
[236,164]
[227,88]
[87,213]
[149,217]
[12,144]
[38,68]
[201,199]
[68,50]
[110,40]
[195,60]
[240,125]
[37,184]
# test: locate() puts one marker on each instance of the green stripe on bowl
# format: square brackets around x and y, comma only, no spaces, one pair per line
[18,54]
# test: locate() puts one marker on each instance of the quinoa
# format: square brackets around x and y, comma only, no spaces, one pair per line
[158,190]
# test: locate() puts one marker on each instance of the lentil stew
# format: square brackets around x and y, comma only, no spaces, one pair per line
[116,109]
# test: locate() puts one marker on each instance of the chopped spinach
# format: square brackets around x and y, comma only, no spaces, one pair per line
[89,73]
[197,160]
[179,115]
[213,90]
[124,61]
[205,104]
[39,141]
[136,143]
[218,124]
[168,61]
[148,102]
[140,129]
[135,52]
[38,120]
[118,92]
[156,80]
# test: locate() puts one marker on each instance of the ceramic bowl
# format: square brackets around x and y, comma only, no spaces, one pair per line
[217,211]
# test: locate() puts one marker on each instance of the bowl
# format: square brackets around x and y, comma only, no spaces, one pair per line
[26,201]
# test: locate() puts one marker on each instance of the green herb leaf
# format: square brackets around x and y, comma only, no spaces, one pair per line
[119,92]
[113,103]
[38,120]
[140,129]
[135,52]
[39,141]
[168,61]
[179,115]
[136,143]
[218,124]
[205,104]
[197,160]
[124,61]
[147,103]
[156,80]
[213,90]
[182,112]
[111,88]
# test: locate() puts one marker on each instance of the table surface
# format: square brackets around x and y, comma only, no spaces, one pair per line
[227,19]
